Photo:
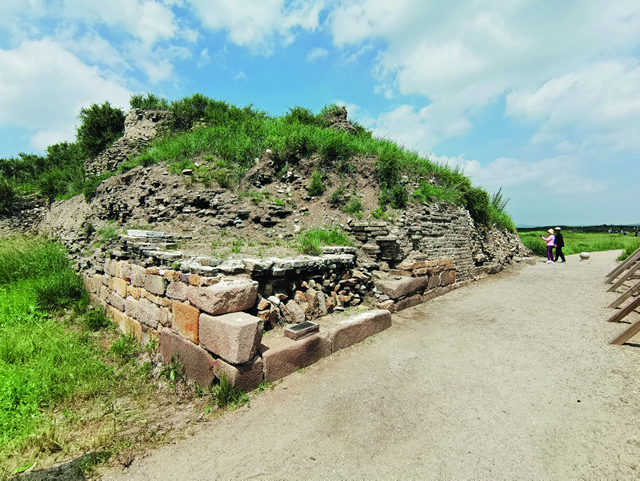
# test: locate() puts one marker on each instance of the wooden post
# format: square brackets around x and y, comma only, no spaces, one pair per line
[628,334]
[626,276]
[619,315]
[614,273]
[631,291]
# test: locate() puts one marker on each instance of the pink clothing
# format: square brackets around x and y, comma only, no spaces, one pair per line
[551,240]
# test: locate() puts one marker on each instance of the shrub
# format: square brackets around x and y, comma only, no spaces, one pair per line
[99,126]
[354,206]
[95,319]
[476,201]
[316,187]
[7,194]
[395,197]
[148,101]
[338,196]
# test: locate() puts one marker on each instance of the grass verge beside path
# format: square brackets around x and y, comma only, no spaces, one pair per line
[576,242]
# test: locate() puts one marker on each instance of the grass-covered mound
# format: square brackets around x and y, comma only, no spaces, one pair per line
[219,142]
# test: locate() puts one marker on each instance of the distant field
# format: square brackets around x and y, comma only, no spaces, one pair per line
[576,242]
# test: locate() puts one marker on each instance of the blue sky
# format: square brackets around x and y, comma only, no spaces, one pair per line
[540,98]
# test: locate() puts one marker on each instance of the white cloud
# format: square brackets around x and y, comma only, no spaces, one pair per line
[317,53]
[257,24]
[240,76]
[562,174]
[602,98]
[462,55]
[422,129]
[43,86]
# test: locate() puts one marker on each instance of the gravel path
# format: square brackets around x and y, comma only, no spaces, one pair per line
[509,378]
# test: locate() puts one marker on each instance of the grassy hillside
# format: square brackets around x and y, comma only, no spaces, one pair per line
[220,142]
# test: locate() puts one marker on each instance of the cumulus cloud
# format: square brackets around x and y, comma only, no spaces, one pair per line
[258,24]
[317,53]
[463,55]
[43,86]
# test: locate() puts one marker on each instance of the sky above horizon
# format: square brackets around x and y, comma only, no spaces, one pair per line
[540,98]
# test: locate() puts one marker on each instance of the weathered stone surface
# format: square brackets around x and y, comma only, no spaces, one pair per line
[134,292]
[330,304]
[110,267]
[138,276]
[357,328]
[172,276]
[296,314]
[386,305]
[245,377]
[447,278]
[177,290]
[283,356]
[224,297]
[263,304]
[105,293]
[155,284]
[234,337]
[143,311]
[409,302]
[194,280]
[434,281]
[120,286]
[301,300]
[185,321]
[124,269]
[312,300]
[117,317]
[90,284]
[401,287]
[116,301]
[198,363]
[322,305]
[95,300]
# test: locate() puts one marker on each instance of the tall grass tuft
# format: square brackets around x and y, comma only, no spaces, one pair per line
[311,241]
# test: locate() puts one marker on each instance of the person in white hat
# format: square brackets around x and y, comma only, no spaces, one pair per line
[559,245]
[550,243]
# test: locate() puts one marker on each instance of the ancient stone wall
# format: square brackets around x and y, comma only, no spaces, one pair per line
[214,316]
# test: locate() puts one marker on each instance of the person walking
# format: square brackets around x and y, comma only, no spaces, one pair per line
[550,242]
[559,241]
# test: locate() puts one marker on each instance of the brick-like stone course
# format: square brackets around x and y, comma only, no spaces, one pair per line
[285,356]
[358,328]
[235,337]
[198,363]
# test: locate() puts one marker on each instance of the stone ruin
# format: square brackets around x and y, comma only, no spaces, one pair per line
[140,127]
[226,316]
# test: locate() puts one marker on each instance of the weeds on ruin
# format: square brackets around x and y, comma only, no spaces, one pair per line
[316,187]
[311,240]
[354,206]
[225,395]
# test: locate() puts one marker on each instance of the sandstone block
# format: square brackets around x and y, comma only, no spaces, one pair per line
[143,311]
[157,300]
[177,291]
[357,328]
[152,271]
[434,281]
[447,278]
[138,276]
[116,301]
[198,363]
[312,300]
[155,284]
[386,305]
[301,300]
[110,267]
[117,317]
[172,276]
[120,286]
[185,321]
[409,302]
[124,269]
[245,377]
[263,304]
[322,305]
[134,292]
[283,356]
[166,316]
[330,304]
[224,297]
[234,337]
[401,287]
[296,314]
[133,328]
[105,293]
[194,280]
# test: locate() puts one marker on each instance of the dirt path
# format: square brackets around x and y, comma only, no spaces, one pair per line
[500,380]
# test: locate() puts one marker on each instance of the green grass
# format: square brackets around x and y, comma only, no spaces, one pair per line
[576,242]
[311,241]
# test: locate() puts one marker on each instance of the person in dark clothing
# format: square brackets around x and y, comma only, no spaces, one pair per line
[559,245]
